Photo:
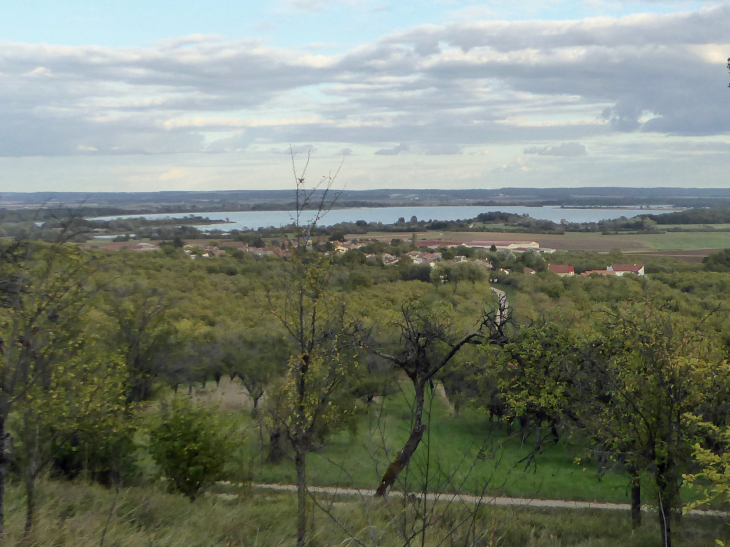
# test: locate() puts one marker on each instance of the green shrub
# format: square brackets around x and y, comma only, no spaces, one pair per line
[189,447]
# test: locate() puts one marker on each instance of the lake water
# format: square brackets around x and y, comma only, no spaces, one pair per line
[388,215]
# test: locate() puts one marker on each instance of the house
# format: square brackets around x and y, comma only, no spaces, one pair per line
[390,260]
[516,246]
[344,247]
[621,269]
[234,245]
[528,271]
[562,270]
[424,258]
[484,262]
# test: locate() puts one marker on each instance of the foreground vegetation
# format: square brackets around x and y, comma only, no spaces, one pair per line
[78,515]
[347,372]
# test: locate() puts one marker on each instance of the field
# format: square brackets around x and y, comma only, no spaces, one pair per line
[477,453]
[699,243]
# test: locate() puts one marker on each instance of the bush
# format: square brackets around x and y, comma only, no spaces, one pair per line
[104,456]
[189,447]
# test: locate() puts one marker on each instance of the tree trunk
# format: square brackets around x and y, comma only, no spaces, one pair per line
[300,463]
[31,471]
[276,453]
[635,498]
[255,409]
[5,453]
[29,504]
[665,522]
[404,456]
[666,486]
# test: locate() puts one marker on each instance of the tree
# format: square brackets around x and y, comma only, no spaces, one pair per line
[324,340]
[660,369]
[714,461]
[43,291]
[535,369]
[635,387]
[83,392]
[256,357]
[140,313]
[456,273]
[428,342]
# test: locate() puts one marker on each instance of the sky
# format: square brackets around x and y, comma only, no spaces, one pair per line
[146,96]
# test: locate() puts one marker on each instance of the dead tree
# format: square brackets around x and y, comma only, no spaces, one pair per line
[428,345]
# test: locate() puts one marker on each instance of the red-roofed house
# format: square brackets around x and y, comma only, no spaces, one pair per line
[529,271]
[621,269]
[562,270]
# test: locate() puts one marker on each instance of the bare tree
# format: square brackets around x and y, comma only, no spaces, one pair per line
[323,337]
[428,343]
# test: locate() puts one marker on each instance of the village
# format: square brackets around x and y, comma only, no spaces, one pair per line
[429,253]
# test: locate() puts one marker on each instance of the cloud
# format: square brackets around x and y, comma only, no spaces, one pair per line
[345,152]
[564,149]
[298,149]
[440,88]
[392,151]
[315,5]
[444,149]
[517,166]
[173,174]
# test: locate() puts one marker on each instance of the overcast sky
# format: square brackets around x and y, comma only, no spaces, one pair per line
[138,95]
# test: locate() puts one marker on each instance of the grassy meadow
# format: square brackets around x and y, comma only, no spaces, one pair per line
[79,515]
[466,453]
[583,241]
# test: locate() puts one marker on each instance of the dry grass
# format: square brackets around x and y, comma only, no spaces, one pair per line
[228,395]
[76,515]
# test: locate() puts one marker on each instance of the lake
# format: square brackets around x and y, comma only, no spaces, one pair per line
[241,220]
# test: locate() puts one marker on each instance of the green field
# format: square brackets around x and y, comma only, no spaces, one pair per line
[670,241]
[456,442]
[582,241]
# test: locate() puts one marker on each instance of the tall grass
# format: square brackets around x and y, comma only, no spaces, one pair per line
[75,514]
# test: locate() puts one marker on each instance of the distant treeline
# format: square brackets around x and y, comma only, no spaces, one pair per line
[496,221]
[111,203]
[714,215]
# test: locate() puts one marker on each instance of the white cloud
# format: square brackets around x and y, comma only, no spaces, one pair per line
[440,88]
[315,5]
[173,174]
[392,151]
[565,149]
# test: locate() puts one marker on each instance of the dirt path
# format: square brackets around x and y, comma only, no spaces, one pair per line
[486,500]
[503,304]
